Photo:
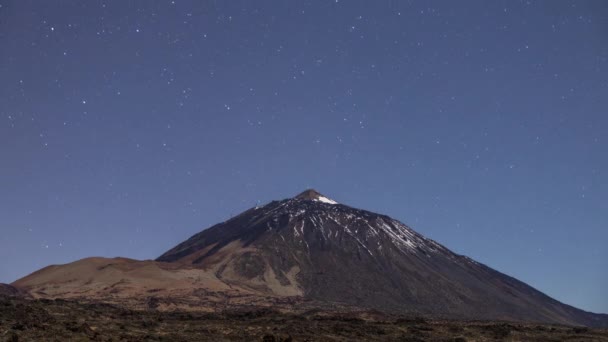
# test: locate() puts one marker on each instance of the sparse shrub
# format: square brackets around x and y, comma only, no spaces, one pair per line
[12,337]
[149,324]
[455,328]
[18,326]
[269,338]
[580,330]
[276,338]
[152,303]
[500,330]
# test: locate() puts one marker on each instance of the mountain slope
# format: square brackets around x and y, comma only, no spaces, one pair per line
[9,291]
[312,246]
[142,285]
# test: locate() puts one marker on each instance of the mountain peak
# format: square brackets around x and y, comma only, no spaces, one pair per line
[310,247]
[314,195]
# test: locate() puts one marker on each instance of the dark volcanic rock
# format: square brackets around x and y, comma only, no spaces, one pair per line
[336,253]
[36,320]
[9,291]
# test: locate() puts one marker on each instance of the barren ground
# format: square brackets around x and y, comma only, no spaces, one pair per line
[61,320]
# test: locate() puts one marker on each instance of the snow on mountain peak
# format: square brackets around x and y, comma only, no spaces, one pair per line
[325,200]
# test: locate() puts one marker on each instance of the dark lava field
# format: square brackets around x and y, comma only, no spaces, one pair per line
[61,320]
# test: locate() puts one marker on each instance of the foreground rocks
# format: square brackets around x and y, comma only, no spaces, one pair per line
[61,320]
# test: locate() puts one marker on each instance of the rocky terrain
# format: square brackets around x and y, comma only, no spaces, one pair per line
[62,320]
[10,291]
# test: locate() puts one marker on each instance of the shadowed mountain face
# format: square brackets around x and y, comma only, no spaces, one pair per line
[311,246]
[9,291]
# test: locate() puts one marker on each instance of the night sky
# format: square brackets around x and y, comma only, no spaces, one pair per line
[128,126]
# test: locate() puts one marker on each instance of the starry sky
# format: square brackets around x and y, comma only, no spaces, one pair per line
[128,126]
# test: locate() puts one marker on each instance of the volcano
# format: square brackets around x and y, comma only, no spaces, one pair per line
[311,248]
[310,245]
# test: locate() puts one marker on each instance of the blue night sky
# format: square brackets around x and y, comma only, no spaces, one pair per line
[126,127]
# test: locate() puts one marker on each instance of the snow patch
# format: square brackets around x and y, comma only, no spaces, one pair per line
[325,200]
[295,229]
[398,237]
